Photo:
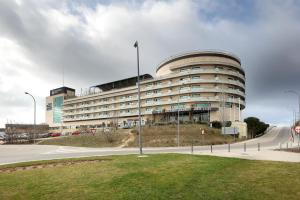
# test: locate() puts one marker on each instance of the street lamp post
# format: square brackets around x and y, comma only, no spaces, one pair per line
[296,93]
[178,114]
[136,45]
[178,117]
[34,115]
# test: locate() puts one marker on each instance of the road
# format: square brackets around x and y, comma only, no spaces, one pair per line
[268,142]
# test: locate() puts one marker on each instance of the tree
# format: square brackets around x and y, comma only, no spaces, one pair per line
[255,126]
[216,124]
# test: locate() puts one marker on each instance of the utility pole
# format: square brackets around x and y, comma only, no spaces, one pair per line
[136,45]
[178,116]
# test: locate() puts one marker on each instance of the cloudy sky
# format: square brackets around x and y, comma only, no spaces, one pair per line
[93,41]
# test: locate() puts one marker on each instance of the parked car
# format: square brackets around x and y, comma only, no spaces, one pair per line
[44,135]
[24,136]
[126,126]
[76,133]
[55,134]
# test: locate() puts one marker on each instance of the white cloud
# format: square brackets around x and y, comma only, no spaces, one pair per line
[94,45]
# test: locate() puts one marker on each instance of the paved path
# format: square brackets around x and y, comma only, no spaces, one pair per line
[268,142]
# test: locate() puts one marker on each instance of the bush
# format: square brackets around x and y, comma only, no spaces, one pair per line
[228,124]
[216,124]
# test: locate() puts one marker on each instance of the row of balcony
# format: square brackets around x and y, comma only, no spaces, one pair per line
[192,81]
[158,103]
[198,72]
[149,96]
[128,114]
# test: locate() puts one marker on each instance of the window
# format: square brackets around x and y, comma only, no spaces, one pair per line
[195,77]
[149,85]
[184,69]
[184,88]
[184,97]
[157,99]
[149,93]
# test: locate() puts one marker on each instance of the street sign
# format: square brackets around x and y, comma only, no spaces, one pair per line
[93,131]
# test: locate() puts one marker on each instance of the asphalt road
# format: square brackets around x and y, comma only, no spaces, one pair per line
[23,153]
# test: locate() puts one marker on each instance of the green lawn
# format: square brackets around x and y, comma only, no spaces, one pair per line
[167,176]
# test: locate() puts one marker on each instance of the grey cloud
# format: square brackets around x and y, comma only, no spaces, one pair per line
[268,45]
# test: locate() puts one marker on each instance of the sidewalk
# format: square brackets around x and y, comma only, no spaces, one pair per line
[251,154]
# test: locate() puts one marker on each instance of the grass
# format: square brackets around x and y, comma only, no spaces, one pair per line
[153,136]
[166,176]
[160,136]
[89,140]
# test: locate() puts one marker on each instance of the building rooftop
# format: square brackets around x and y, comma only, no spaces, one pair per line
[123,83]
[198,53]
[61,90]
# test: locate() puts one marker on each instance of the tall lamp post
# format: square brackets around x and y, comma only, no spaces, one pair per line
[136,45]
[296,93]
[34,114]
[178,117]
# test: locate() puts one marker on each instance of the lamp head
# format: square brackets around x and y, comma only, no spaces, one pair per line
[26,92]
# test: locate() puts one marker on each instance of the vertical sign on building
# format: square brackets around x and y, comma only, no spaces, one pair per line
[57,109]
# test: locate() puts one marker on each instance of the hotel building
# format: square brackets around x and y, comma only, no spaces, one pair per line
[203,86]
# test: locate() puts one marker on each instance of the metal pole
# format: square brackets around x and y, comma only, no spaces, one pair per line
[136,45]
[298,141]
[280,146]
[34,116]
[228,147]
[239,109]
[211,148]
[192,148]
[223,109]
[178,117]
[234,108]
[245,147]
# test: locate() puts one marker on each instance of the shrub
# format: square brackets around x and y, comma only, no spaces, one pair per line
[216,124]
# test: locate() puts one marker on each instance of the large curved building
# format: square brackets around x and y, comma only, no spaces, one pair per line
[202,85]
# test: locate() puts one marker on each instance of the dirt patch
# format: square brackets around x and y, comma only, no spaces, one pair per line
[126,141]
[49,165]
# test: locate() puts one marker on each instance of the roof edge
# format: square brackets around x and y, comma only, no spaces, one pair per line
[194,53]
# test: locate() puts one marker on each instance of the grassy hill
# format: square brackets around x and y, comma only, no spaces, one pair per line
[153,136]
